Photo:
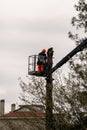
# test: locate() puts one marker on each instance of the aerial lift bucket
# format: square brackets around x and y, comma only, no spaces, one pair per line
[32,66]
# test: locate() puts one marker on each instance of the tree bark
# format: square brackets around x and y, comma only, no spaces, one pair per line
[49,89]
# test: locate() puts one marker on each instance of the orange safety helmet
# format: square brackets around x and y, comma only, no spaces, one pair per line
[44,50]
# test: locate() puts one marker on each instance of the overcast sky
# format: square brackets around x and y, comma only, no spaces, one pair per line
[26,27]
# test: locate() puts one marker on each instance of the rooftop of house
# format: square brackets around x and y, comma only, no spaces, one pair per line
[23,115]
[33,107]
[26,111]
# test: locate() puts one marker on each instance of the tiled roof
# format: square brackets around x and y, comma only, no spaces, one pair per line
[23,115]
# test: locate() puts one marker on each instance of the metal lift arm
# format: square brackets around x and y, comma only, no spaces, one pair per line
[79,48]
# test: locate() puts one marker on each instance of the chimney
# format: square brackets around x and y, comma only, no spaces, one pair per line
[2,108]
[12,107]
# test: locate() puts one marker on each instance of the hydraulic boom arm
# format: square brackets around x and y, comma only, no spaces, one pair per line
[79,48]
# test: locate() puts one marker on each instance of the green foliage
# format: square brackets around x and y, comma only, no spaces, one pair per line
[78,68]
[81,20]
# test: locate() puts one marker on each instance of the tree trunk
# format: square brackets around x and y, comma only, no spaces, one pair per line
[49,98]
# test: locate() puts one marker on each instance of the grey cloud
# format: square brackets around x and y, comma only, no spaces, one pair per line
[7,78]
[55,25]
[19,35]
[25,28]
